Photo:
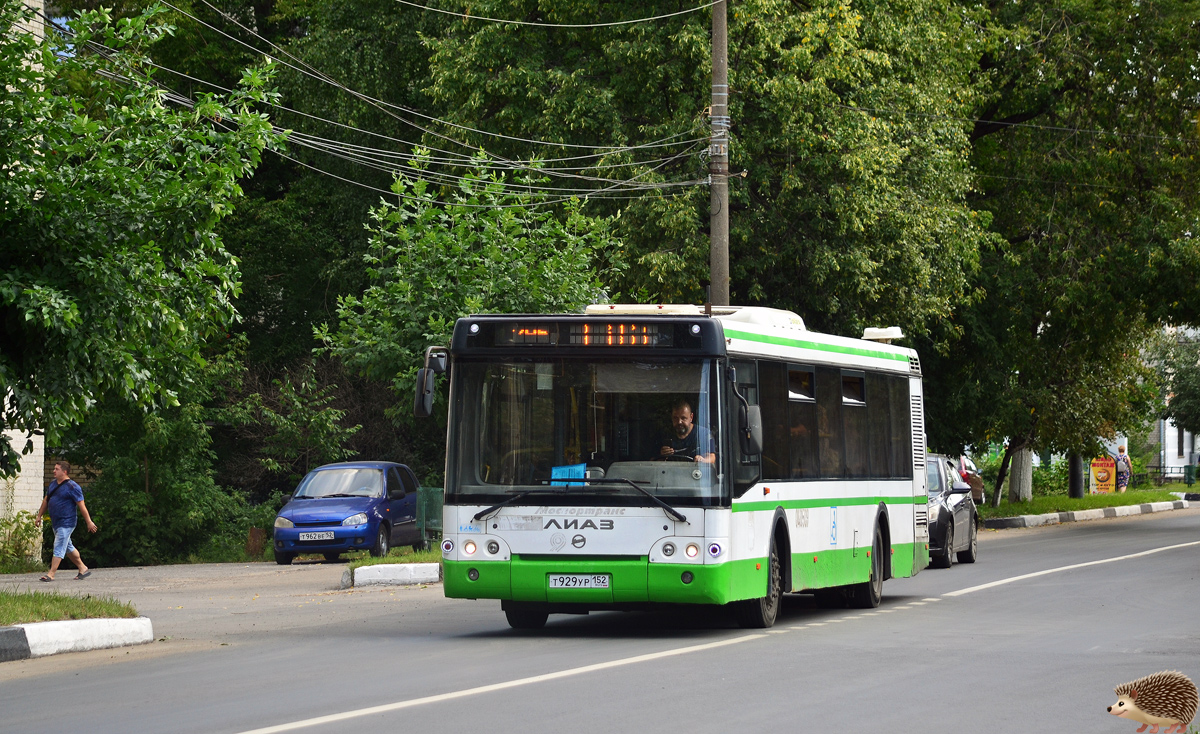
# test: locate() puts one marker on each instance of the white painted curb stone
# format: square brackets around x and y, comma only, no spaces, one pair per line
[397,574]
[48,638]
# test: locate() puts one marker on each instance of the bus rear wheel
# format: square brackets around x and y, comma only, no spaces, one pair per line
[868,594]
[526,617]
[761,613]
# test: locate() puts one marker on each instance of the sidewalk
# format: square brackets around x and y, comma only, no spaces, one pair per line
[1054,518]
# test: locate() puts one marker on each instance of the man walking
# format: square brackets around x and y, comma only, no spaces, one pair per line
[62,498]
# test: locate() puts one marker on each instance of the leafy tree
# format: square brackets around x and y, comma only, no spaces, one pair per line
[153,494]
[848,215]
[295,428]
[1087,164]
[481,249]
[111,275]
[1180,365]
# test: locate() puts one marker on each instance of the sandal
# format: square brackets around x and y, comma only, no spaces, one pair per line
[45,578]
[82,576]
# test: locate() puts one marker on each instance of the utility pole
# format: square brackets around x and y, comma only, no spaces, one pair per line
[718,162]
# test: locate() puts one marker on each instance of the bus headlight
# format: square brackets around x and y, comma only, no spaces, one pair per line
[469,547]
[714,549]
[493,547]
[668,549]
[692,550]
[447,546]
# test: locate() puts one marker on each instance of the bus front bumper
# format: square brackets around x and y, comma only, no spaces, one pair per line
[631,581]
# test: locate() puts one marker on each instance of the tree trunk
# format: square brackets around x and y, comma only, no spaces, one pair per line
[1075,483]
[1000,477]
[1020,484]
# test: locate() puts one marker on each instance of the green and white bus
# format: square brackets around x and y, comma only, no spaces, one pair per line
[638,455]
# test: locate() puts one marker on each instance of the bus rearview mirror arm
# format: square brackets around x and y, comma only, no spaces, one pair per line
[436,361]
[749,420]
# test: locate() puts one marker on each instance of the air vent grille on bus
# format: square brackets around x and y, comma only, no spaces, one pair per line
[918,432]
[922,515]
[914,364]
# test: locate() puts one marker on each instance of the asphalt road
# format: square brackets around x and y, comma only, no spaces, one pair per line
[247,647]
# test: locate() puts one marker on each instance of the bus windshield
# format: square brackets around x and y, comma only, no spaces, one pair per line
[518,426]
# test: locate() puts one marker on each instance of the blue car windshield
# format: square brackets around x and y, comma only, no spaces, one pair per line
[342,483]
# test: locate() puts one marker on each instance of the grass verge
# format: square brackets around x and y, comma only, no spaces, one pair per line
[22,565]
[1062,503]
[22,607]
[398,555]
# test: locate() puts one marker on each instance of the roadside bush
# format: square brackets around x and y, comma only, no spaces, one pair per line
[1052,478]
[18,533]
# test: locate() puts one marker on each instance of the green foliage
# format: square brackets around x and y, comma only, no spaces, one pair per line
[1180,367]
[481,249]
[111,276]
[1098,210]
[849,216]
[1052,478]
[296,426]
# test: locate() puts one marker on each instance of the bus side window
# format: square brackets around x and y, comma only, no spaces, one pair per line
[879,424]
[745,468]
[854,422]
[829,422]
[901,455]
[772,383]
[802,426]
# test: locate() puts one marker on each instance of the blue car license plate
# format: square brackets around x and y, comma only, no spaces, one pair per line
[322,535]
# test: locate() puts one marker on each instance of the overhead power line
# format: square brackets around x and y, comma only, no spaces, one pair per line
[390,161]
[1050,128]
[468,16]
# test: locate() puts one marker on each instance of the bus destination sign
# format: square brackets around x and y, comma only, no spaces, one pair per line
[585,334]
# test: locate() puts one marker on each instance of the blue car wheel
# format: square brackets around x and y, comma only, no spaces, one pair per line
[381,546]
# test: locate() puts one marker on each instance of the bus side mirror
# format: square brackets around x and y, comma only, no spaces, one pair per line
[423,402]
[751,429]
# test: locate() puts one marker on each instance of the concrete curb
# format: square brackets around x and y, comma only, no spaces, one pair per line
[1054,518]
[39,639]
[393,574]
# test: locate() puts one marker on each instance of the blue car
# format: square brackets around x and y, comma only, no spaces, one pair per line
[349,506]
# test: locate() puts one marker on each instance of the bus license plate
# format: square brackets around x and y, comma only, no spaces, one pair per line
[579,581]
[324,535]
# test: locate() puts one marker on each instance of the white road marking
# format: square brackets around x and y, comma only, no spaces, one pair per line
[916,603]
[346,715]
[817,624]
[932,598]
[776,632]
[1001,582]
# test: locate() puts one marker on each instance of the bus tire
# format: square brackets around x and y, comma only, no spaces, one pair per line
[761,613]
[868,594]
[526,617]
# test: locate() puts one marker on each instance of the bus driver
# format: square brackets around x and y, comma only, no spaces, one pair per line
[687,438]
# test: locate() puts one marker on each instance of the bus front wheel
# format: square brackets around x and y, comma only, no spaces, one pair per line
[761,613]
[526,617]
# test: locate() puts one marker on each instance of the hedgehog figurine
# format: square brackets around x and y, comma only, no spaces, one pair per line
[1163,699]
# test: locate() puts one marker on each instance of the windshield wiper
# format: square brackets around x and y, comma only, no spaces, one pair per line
[671,511]
[539,490]
[338,495]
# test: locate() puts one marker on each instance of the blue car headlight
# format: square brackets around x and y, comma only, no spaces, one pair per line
[359,519]
[283,522]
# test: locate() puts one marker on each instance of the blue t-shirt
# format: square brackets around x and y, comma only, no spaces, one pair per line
[61,506]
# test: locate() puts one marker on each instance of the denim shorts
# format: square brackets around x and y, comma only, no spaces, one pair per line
[62,541]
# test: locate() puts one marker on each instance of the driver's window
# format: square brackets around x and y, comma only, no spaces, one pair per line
[394,487]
